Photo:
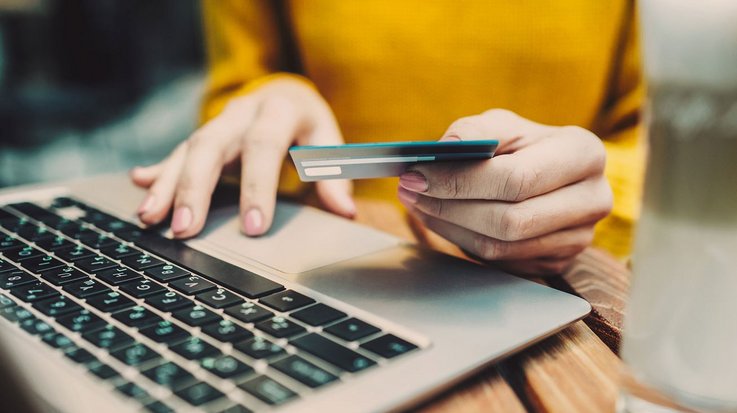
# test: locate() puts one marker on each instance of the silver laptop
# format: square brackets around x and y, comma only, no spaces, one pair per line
[321,314]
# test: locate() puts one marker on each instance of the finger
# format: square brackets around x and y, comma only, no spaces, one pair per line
[558,244]
[160,195]
[144,176]
[336,194]
[512,130]
[567,156]
[582,203]
[212,146]
[263,149]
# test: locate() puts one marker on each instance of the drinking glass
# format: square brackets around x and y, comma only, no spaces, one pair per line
[680,333]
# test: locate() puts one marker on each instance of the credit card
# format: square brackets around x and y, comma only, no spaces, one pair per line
[377,160]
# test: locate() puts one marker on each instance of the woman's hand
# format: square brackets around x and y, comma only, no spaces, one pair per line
[254,131]
[531,209]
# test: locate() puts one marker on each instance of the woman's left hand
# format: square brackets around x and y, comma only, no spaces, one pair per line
[531,209]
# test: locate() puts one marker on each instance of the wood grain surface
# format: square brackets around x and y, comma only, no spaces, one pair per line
[577,370]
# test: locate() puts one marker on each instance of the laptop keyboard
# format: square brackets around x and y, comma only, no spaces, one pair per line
[168,325]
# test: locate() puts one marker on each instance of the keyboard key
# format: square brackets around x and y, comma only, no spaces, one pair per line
[268,390]
[318,315]
[165,332]
[136,354]
[96,217]
[194,349]
[118,251]
[94,264]
[42,263]
[32,210]
[259,348]
[36,327]
[280,327]
[138,317]
[6,266]
[75,229]
[141,261]
[102,370]
[236,409]
[118,275]
[142,287]
[115,226]
[35,233]
[8,243]
[242,281]
[196,316]
[57,340]
[249,312]
[15,314]
[133,390]
[194,284]
[54,243]
[303,371]
[85,288]
[168,301]
[74,253]
[82,322]
[34,292]
[12,223]
[110,302]
[226,331]
[109,337]
[131,235]
[158,407]
[169,375]
[388,346]
[6,301]
[199,394]
[352,329]
[78,354]
[225,366]
[57,306]
[166,272]
[63,202]
[63,275]
[219,298]
[22,253]
[95,240]
[16,278]
[286,301]
[333,353]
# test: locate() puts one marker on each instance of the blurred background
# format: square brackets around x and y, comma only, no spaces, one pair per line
[92,86]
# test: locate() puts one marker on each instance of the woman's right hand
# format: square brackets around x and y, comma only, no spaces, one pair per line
[254,131]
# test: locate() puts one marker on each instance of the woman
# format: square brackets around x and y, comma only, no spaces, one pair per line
[384,70]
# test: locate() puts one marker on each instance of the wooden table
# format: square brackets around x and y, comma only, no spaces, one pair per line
[576,370]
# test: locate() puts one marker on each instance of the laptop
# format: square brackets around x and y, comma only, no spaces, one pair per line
[321,314]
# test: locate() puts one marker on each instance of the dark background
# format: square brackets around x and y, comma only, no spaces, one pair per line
[82,81]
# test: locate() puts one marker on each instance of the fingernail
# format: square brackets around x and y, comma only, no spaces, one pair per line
[181,220]
[147,203]
[413,181]
[253,222]
[407,197]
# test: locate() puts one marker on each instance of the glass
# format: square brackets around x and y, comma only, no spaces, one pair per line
[680,337]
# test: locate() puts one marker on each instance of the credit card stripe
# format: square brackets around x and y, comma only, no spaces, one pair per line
[361,161]
[324,171]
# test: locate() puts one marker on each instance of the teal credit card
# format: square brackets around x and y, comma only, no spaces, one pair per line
[376,160]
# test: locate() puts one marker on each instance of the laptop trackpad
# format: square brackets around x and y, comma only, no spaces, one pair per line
[301,238]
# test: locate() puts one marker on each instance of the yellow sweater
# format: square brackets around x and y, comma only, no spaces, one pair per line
[405,69]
